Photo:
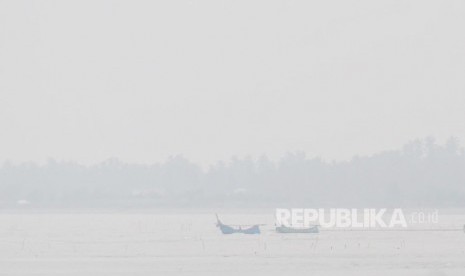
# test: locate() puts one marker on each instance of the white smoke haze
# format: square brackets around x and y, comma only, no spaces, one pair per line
[146,80]
[125,126]
[421,174]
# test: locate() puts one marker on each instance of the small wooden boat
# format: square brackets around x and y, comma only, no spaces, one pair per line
[286,229]
[231,229]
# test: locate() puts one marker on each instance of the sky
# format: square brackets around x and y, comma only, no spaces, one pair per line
[145,80]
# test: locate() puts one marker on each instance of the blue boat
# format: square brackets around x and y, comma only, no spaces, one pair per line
[231,229]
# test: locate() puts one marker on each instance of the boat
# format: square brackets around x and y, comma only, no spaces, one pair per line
[231,229]
[287,229]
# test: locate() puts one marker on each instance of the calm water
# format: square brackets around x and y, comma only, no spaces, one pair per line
[188,243]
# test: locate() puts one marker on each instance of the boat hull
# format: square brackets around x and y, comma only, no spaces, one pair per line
[290,230]
[226,229]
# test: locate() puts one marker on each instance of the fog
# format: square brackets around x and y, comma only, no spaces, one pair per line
[85,81]
[421,174]
[125,126]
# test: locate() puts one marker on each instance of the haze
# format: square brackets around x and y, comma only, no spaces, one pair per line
[145,80]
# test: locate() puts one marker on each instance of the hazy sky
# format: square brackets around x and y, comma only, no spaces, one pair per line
[143,80]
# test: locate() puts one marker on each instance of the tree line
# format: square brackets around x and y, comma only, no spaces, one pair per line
[421,173]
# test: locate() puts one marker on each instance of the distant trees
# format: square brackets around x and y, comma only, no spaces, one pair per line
[422,173]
